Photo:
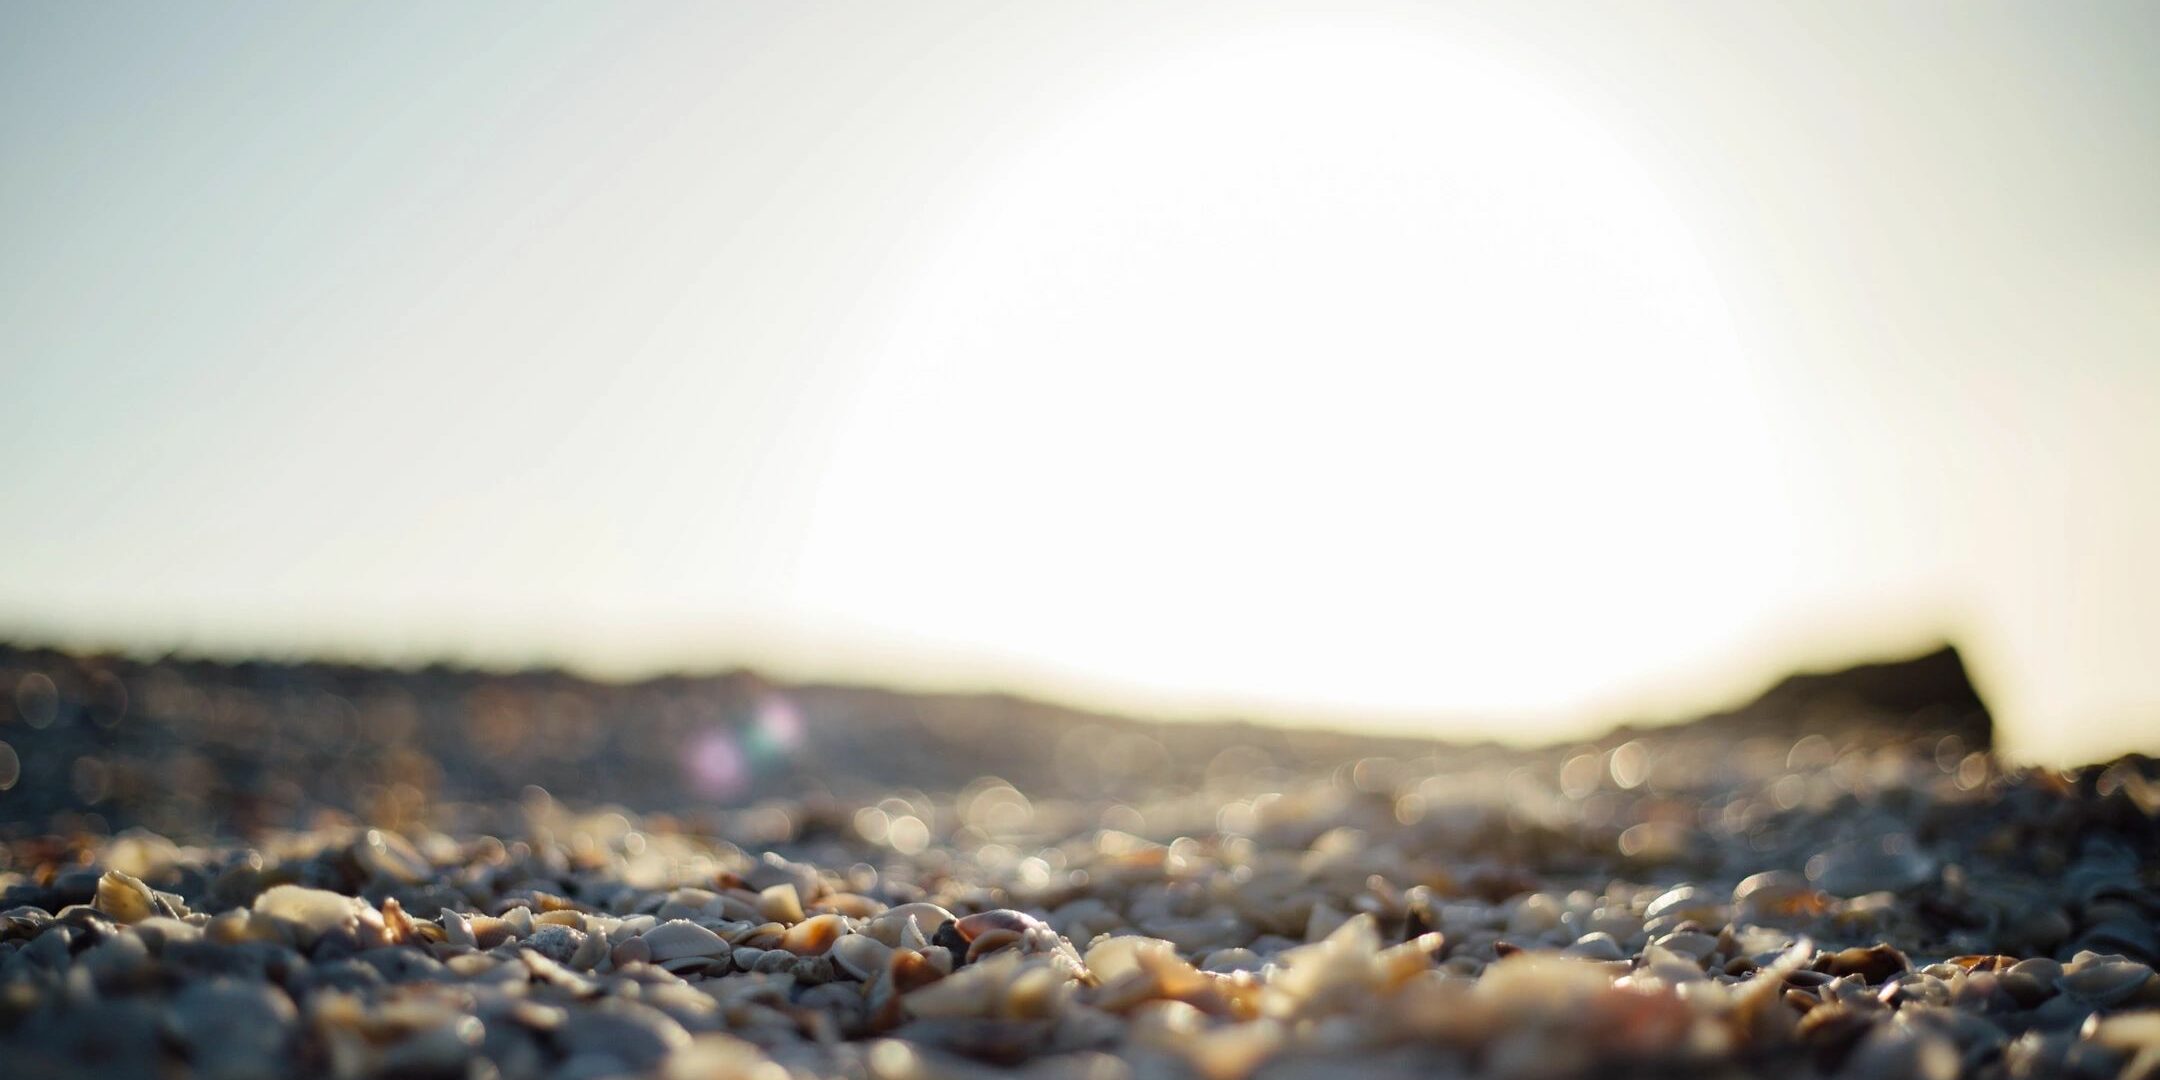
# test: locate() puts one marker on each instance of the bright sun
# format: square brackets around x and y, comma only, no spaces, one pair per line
[1310,369]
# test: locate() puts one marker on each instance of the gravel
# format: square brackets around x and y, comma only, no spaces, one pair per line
[1877,899]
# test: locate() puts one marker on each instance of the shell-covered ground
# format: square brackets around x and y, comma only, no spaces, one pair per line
[1808,898]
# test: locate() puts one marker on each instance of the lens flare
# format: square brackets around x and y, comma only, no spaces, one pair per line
[716,765]
[775,729]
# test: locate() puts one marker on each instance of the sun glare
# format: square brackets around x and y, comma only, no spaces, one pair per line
[1310,366]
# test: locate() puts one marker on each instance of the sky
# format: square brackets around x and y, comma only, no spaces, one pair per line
[1487,370]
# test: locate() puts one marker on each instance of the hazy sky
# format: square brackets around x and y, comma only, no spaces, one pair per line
[1490,368]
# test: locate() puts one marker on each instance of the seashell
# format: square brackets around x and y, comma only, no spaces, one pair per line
[2032,981]
[123,899]
[2103,980]
[1684,903]
[814,935]
[398,926]
[234,927]
[633,951]
[699,967]
[1672,967]
[972,926]
[589,953]
[1223,961]
[982,990]
[457,930]
[860,955]
[907,918]
[685,903]
[518,922]
[1324,920]
[1036,990]
[1112,957]
[23,922]
[990,941]
[1397,964]
[781,904]
[1328,975]
[937,957]
[1693,944]
[678,938]
[1778,897]
[755,935]
[489,931]
[158,931]
[910,970]
[736,905]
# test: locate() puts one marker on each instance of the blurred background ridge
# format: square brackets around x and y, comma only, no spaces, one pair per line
[189,746]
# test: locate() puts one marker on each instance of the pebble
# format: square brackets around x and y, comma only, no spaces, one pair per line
[1891,863]
[557,943]
[679,938]
[307,914]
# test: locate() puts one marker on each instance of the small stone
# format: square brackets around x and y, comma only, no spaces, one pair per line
[388,855]
[307,914]
[234,1030]
[1596,946]
[772,870]
[1892,863]
[557,943]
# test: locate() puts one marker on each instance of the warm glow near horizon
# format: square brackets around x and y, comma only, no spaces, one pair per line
[1246,374]
[1487,372]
